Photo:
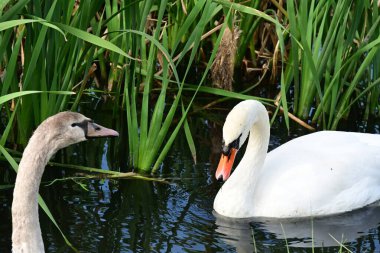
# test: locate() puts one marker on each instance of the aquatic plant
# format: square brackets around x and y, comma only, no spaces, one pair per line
[125,45]
[135,48]
[324,54]
[37,57]
[334,58]
[159,46]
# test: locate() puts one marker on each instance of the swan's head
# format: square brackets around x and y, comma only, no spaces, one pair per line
[66,128]
[235,131]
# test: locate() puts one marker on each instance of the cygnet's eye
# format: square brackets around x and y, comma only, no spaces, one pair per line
[82,124]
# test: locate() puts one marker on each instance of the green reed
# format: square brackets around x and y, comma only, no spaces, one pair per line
[135,46]
[49,59]
[329,54]
[336,59]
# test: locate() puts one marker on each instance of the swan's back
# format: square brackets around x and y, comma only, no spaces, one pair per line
[321,173]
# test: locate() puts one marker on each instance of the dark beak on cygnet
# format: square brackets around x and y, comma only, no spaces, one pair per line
[96,131]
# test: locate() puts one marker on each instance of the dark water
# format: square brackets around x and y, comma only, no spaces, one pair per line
[104,215]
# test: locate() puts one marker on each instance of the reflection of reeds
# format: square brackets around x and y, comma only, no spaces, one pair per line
[222,71]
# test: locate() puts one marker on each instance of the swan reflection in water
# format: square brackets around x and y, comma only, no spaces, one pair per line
[357,230]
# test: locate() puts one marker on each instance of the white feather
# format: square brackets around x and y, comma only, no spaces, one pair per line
[322,173]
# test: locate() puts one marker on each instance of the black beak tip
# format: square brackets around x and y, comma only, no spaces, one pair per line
[220,178]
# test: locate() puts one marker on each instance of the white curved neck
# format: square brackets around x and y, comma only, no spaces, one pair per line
[232,197]
[252,162]
[26,234]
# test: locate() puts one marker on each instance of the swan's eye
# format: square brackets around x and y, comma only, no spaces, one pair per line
[236,143]
[226,150]
[74,124]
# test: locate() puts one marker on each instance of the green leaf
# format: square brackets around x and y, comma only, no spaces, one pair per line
[190,141]
[12,23]
[13,95]
[93,39]
[5,134]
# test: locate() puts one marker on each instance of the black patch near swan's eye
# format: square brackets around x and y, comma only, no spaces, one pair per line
[236,143]
[226,150]
[74,124]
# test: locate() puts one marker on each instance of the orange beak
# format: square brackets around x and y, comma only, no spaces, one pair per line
[225,165]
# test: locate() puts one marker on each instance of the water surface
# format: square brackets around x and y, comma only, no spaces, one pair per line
[124,215]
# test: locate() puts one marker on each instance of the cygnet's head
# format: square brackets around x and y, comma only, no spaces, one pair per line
[67,128]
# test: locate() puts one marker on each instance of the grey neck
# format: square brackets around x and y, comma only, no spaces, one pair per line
[26,234]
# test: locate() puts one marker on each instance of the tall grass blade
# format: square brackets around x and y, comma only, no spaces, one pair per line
[167,146]
[90,38]
[8,128]
[12,65]
[14,10]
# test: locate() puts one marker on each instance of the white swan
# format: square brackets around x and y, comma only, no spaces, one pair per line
[322,173]
[56,132]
